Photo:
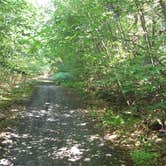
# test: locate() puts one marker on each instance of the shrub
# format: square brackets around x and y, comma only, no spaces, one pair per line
[143,158]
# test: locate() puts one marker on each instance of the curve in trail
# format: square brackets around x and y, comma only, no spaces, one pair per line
[53,131]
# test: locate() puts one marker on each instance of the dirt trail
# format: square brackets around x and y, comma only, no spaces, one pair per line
[53,131]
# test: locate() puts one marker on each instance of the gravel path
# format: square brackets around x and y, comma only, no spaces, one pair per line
[53,131]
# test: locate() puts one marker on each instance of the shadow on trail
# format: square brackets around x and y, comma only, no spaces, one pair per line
[53,131]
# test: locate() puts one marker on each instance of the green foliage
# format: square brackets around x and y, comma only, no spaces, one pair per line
[110,119]
[20,40]
[143,158]
[62,77]
[115,47]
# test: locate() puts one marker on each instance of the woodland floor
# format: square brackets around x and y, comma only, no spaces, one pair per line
[54,131]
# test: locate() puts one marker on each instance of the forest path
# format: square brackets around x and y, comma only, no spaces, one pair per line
[53,131]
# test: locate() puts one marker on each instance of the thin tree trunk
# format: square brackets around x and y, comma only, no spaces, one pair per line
[145,31]
[163,8]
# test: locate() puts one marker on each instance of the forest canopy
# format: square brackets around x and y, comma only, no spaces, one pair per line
[109,49]
[116,48]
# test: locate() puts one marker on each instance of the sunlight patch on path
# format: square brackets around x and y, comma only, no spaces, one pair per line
[54,131]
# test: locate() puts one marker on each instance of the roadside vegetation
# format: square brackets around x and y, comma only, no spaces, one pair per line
[110,50]
[115,51]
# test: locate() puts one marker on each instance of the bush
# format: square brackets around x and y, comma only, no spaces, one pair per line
[143,158]
[110,119]
[62,77]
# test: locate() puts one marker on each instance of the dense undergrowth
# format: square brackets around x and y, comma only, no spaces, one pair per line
[115,51]
[111,49]
[142,132]
[20,60]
